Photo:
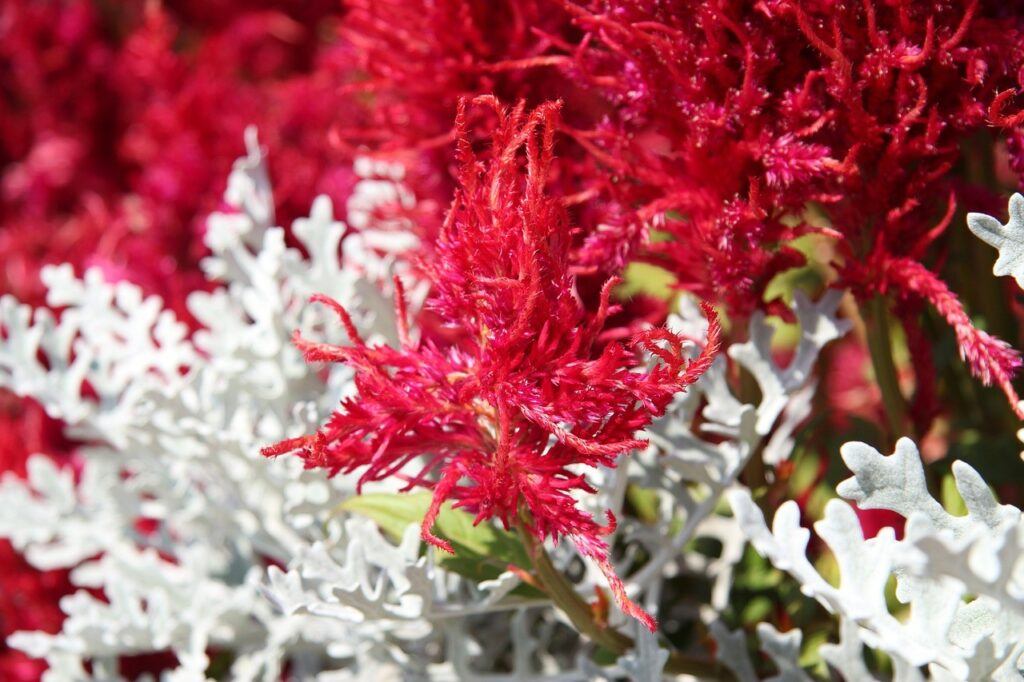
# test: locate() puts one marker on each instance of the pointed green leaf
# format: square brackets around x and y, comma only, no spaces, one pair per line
[950,497]
[644,502]
[482,552]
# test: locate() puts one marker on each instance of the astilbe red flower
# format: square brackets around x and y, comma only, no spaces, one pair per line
[28,601]
[1004,114]
[417,60]
[698,144]
[526,393]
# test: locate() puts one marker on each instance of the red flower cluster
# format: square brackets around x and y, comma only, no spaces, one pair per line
[527,391]
[119,124]
[28,598]
[718,123]
[28,601]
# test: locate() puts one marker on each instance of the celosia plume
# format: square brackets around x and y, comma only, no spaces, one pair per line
[991,360]
[719,124]
[857,107]
[505,413]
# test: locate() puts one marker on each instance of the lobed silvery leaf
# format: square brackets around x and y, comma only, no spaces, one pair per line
[1008,238]
[175,423]
[961,577]
[691,469]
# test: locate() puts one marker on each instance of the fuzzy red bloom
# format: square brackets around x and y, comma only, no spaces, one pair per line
[718,125]
[735,115]
[991,360]
[119,124]
[507,412]
[419,58]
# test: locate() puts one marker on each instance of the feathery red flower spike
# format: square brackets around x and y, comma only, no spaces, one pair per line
[504,413]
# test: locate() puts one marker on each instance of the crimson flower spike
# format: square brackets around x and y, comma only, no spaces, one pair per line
[497,415]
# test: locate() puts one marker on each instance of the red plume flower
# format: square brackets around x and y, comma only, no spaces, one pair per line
[502,416]
[703,131]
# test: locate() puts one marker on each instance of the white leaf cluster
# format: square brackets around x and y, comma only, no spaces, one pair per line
[692,469]
[180,536]
[173,425]
[961,577]
[1007,238]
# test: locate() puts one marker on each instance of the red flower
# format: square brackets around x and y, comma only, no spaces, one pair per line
[717,125]
[991,360]
[119,124]
[29,598]
[527,392]
[28,601]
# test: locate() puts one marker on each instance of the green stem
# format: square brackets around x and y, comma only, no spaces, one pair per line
[754,474]
[876,315]
[565,597]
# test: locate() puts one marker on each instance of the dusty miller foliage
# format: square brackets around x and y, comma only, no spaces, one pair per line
[1008,238]
[962,576]
[249,565]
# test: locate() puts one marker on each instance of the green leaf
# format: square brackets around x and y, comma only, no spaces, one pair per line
[756,610]
[644,278]
[604,657]
[482,552]
[810,652]
[220,665]
[950,496]
[644,502]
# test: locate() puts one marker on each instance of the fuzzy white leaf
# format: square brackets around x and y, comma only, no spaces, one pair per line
[941,560]
[1008,238]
